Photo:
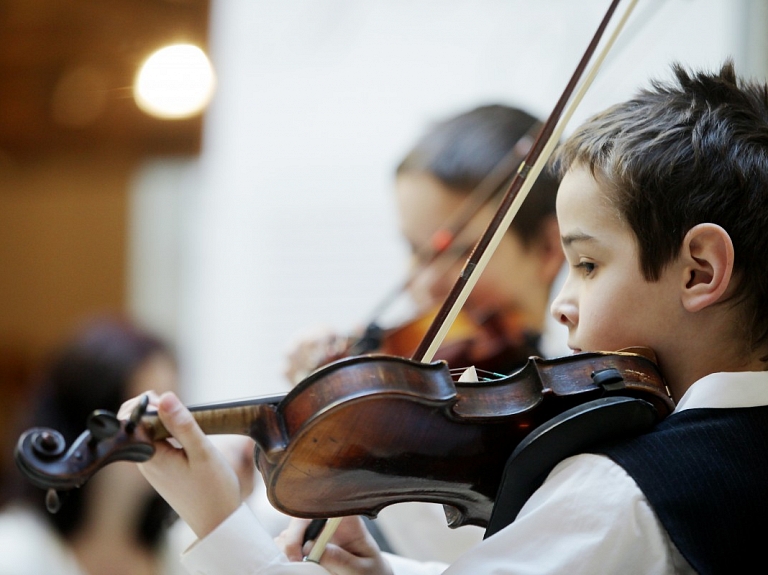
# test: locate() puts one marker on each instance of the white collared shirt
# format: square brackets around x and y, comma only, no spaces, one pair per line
[588,517]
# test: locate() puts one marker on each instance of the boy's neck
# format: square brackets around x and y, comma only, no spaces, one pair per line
[680,375]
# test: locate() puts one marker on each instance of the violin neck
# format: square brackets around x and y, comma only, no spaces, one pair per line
[221,418]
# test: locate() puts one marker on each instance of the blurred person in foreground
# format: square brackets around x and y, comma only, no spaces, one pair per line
[115,524]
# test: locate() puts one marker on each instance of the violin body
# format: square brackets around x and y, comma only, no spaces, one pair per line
[384,430]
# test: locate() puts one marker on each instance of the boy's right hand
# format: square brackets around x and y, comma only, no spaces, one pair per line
[352,550]
[196,480]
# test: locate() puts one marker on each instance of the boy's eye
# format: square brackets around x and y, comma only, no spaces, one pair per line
[587,267]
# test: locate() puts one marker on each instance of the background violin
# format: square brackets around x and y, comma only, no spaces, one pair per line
[498,343]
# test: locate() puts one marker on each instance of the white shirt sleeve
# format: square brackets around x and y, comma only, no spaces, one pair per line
[241,546]
[588,517]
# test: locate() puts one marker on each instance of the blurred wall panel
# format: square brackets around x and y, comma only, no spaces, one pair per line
[62,244]
[71,140]
[62,256]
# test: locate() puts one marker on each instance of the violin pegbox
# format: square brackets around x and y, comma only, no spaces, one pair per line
[102,424]
[42,455]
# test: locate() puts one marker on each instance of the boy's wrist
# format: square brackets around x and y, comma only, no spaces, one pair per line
[205,519]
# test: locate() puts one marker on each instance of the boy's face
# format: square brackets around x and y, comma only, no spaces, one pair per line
[606,303]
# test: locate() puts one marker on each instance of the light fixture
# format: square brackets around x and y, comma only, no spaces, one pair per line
[175,82]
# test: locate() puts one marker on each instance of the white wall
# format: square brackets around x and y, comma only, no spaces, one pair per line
[290,223]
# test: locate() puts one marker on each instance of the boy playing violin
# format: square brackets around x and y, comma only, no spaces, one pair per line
[662,210]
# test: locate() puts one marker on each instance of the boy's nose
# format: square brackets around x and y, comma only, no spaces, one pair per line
[564,311]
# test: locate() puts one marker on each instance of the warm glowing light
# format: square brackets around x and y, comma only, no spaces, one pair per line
[175,82]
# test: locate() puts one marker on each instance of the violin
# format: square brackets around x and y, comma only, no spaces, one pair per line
[498,343]
[369,431]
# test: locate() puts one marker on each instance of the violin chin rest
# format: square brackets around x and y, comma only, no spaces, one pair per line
[574,431]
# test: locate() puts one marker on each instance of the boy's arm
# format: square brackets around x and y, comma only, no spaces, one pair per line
[239,546]
[588,517]
[201,486]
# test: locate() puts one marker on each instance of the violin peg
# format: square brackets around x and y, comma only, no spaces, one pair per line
[52,501]
[139,411]
[103,424]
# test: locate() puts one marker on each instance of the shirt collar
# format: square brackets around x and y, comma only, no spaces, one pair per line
[723,390]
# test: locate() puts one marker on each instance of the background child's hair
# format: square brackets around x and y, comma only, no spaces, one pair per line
[95,370]
[461,151]
[685,152]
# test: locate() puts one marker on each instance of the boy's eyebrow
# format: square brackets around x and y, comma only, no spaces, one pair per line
[576,237]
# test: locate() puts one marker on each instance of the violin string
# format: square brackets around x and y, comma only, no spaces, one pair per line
[509,207]
[482,374]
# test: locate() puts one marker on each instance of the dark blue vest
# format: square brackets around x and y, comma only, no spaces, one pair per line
[705,473]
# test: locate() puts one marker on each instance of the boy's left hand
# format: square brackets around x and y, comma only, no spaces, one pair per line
[196,480]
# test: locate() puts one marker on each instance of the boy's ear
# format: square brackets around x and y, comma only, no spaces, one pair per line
[707,255]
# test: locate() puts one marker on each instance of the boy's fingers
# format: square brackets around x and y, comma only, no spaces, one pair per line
[127,408]
[182,426]
[291,540]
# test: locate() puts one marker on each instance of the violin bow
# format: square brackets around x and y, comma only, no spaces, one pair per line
[517,191]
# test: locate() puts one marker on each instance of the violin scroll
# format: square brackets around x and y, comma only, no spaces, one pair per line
[42,455]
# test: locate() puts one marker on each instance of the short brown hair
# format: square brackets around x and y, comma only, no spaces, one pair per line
[686,152]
